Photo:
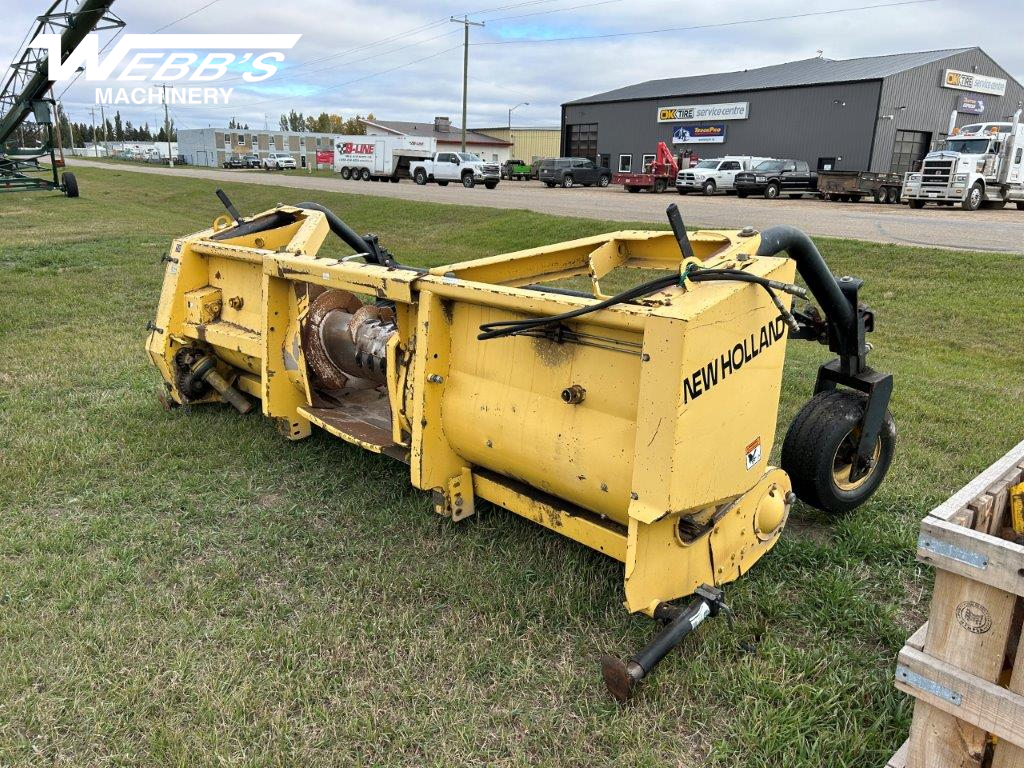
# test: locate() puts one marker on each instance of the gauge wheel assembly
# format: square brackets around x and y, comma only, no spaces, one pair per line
[820,446]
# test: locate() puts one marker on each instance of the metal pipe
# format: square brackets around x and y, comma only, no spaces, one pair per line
[812,268]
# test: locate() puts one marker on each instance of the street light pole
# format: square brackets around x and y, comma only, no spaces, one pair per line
[517,106]
[466,24]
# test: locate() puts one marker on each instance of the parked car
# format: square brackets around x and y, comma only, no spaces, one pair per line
[773,178]
[278,162]
[714,175]
[535,167]
[574,171]
[234,161]
[515,170]
[251,161]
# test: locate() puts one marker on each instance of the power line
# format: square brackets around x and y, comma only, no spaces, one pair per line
[508,7]
[705,26]
[186,16]
[349,82]
[555,10]
[364,46]
[292,74]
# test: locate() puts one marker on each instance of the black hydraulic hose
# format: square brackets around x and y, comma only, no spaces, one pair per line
[352,239]
[355,241]
[502,328]
[814,271]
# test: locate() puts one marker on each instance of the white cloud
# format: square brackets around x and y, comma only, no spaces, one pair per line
[544,74]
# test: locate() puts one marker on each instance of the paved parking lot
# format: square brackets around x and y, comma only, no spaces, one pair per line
[932,226]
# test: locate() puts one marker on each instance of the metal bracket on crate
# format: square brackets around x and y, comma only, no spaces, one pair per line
[913,679]
[952,552]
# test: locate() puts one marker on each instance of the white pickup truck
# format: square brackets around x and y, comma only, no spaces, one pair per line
[715,175]
[456,166]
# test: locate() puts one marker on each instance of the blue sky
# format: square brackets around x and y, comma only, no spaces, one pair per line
[402,59]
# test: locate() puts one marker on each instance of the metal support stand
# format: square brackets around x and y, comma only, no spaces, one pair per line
[622,677]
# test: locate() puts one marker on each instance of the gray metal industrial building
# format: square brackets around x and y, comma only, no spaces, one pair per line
[878,113]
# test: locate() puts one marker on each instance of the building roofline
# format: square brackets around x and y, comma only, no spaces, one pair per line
[670,81]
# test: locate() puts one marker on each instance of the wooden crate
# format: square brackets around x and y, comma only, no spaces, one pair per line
[959,666]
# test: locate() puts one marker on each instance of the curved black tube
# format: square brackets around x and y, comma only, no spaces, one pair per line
[254,226]
[812,268]
[352,239]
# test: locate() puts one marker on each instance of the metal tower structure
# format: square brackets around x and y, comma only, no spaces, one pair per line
[28,92]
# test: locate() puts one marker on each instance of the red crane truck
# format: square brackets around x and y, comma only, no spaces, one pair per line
[656,176]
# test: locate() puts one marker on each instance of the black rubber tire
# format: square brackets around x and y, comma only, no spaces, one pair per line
[364,174]
[70,184]
[709,188]
[490,184]
[916,204]
[742,195]
[1020,206]
[878,195]
[682,191]
[660,185]
[567,181]
[771,192]
[468,181]
[549,184]
[813,444]
[393,179]
[420,177]
[973,199]
[604,181]
[994,205]
[632,188]
[892,195]
[346,173]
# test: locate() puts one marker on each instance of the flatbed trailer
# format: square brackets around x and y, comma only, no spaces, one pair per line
[852,186]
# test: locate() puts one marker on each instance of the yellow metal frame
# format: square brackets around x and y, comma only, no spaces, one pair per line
[663,465]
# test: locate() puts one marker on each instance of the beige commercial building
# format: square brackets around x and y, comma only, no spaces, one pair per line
[528,144]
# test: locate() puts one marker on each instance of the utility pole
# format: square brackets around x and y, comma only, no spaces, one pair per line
[95,146]
[466,24]
[167,128]
[106,141]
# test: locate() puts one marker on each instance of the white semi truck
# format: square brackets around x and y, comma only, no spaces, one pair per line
[380,158]
[982,164]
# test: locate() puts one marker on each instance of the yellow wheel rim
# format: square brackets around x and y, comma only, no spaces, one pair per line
[842,462]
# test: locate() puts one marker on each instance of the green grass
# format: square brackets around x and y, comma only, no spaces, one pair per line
[189,589]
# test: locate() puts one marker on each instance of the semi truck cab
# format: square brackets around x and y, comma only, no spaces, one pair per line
[981,164]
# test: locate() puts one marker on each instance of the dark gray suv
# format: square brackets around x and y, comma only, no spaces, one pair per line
[573,172]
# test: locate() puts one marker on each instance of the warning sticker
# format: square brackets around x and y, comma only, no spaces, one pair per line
[754,452]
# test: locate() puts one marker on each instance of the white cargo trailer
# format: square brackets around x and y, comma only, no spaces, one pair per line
[379,158]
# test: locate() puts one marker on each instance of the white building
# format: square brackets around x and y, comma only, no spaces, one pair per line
[213,146]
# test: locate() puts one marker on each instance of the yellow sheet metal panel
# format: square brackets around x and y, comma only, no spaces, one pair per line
[503,409]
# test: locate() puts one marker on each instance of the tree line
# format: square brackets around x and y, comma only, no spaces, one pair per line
[323,123]
[116,129]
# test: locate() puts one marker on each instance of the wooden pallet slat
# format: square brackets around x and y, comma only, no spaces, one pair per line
[955,665]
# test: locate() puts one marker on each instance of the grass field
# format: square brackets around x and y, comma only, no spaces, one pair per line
[189,589]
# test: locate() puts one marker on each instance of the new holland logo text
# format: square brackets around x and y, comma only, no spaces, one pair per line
[730,361]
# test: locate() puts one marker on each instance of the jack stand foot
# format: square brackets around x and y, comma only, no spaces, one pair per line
[622,677]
